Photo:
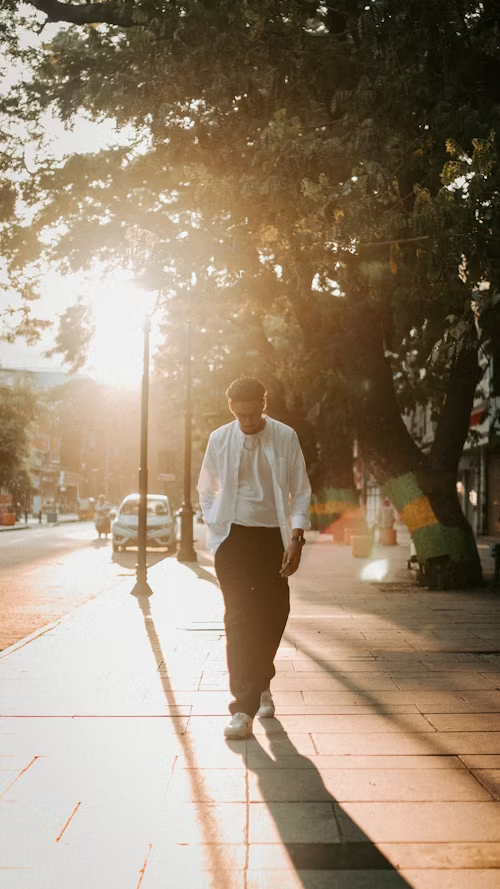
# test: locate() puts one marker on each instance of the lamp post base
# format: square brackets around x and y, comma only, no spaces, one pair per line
[141,587]
[187,552]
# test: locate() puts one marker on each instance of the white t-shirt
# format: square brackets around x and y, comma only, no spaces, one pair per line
[255,501]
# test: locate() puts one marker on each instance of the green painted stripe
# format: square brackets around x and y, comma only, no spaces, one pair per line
[403,490]
[343,495]
[441,540]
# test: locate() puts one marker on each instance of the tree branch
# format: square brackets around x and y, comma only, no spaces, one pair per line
[395,241]
[109,12]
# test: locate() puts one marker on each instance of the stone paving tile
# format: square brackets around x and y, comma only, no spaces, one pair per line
[320,682]
[309,822]
[343,709]
[425,701]
[405,785]
[481,667]
[490,779]
[356,723]
[205,750]
[493,677]
[452,879]
[282,745]
[445,682]
[330,656]
[455,646]
[208,785]
[422,822]
[329,857]
[218,823]
[402,744]
[442,856]
[462,722]
[481,761]
[327,879]
[350,761]
[358,667]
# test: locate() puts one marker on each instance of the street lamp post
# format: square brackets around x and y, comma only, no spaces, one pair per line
[187,551]
[142,587]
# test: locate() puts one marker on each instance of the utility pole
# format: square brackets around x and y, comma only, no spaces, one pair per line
[142,587]
[187,551]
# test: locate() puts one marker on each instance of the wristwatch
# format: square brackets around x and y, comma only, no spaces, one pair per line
[300,540]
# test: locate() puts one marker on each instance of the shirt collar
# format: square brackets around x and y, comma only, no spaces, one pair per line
[266,432]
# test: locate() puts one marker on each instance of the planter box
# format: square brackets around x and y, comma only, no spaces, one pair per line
[52,516]
[361,546]
[388,536]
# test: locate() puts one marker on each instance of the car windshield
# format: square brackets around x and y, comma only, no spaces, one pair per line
[154,507]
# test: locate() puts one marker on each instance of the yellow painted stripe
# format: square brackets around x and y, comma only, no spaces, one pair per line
[334,506]
[418,514]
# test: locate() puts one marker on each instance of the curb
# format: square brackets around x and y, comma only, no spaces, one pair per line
[48,627]
[29,527]
[15,528]
[36,634]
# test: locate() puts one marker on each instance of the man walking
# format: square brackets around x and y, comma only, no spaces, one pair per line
[255,497]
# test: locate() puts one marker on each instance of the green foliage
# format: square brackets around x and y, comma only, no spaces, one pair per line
[74,336]
[18,404]
[306,167]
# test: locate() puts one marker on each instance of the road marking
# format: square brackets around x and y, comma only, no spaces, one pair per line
[18,776]
[68,821]
[144,866]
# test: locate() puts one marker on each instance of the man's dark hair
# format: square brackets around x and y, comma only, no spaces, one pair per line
[246,389]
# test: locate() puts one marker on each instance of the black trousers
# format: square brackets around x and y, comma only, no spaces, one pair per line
[257,605]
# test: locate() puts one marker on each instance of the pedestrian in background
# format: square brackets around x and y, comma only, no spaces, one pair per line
[255,497]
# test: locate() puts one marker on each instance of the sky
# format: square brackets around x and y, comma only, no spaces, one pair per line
[118,307]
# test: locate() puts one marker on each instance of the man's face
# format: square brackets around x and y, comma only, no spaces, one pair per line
[248,414]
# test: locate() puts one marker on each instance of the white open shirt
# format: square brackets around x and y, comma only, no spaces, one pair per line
[218,482]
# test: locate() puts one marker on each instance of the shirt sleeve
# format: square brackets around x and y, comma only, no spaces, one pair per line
[209,481]
[300,489]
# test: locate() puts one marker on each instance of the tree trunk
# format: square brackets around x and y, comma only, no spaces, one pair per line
[422,488]
[335,501]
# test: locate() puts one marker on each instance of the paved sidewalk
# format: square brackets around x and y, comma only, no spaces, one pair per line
[381,770]
[63,518]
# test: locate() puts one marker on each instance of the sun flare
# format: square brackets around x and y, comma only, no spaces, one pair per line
[116,354]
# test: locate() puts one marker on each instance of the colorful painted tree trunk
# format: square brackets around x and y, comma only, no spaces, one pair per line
[422,486]
[446,551]
[335,502]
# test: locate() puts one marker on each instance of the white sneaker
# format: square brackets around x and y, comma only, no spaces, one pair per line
[267,708]
[240,726]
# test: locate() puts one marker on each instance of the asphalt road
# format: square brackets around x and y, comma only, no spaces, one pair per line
[47,571]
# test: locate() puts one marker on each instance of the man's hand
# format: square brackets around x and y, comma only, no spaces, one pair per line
[291,559]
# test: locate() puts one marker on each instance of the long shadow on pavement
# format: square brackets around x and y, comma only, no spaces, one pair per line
[302,785]
[217,864]
[359,858]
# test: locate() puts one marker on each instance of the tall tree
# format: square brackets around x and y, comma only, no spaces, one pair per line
[349,150]
[18,406]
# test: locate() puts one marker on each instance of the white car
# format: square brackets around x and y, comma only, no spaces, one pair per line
[160,523]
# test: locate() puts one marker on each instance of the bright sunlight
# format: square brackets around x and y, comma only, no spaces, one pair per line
[119,309]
